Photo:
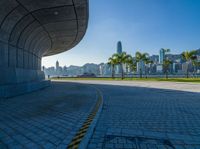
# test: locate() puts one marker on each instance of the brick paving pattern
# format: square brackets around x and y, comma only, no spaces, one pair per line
[45,119]
[132,117]
[147,118]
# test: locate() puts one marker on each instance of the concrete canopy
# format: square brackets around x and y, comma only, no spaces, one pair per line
[32,29]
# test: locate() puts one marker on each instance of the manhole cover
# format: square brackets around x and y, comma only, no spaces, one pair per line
[124,142]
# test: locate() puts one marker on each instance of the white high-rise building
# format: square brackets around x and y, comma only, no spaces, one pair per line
[161,56]
[57,65]
[140,67]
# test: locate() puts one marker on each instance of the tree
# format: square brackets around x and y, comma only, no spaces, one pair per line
[121,60]
[189,56]
[133,66]
[195,64]
[128,62]
[141,57]
[112,61]
[147,61]
[166,64]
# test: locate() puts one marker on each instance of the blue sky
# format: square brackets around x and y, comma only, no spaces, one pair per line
[145,25]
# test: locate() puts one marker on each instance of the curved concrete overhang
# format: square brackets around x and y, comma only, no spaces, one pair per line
[32,29]
[45,27]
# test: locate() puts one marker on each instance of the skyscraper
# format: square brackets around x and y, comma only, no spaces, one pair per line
[57,65]
[119,47]
[140,67]
[161,56]
[119,51]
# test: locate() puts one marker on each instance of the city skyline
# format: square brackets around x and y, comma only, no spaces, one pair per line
[140,25]
[158,54]
[178,66]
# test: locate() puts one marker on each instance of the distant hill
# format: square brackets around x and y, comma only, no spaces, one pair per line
[198,52]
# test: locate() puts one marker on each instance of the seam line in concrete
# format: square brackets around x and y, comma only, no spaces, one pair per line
[82,137]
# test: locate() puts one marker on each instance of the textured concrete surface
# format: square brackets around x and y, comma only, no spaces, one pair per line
[137,116]
[8,91]
[179,86]
[45,119]
[147,118]
[31,29]
[132,116]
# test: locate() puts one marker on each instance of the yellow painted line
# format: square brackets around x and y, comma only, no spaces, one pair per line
[83,130]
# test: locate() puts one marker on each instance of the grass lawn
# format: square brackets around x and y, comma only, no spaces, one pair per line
[194,80]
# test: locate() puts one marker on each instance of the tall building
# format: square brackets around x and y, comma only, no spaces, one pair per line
[119,51]
[105,70]
[65,70]
[119,47]
[161,56]
[154,58]
[174,67]
[57,65]
[185,67]
[159,68]
[91,68]
[140,67]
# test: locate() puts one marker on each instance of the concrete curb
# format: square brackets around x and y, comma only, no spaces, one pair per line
[86,139]
[83,135]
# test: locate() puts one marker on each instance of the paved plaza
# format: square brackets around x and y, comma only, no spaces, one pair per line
[134,115]
[139,117]
[45,119]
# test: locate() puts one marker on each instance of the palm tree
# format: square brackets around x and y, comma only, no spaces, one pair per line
[189,56]
[131,64]
[166,64]
[112,61]
[195,64]
[147,61]
[141,57]
[128,62]
[133,67]
[121,60]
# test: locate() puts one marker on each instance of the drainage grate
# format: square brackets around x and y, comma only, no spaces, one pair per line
[83,130]
[113,141]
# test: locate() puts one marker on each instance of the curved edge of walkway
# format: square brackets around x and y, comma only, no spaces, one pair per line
[82,137]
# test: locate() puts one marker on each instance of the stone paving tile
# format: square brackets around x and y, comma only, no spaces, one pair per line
[161,118]
[45,119]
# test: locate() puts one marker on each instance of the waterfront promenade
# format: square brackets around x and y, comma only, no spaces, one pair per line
[45,119]
[134,114]
[147,115]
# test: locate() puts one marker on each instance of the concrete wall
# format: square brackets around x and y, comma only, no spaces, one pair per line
[31,29]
